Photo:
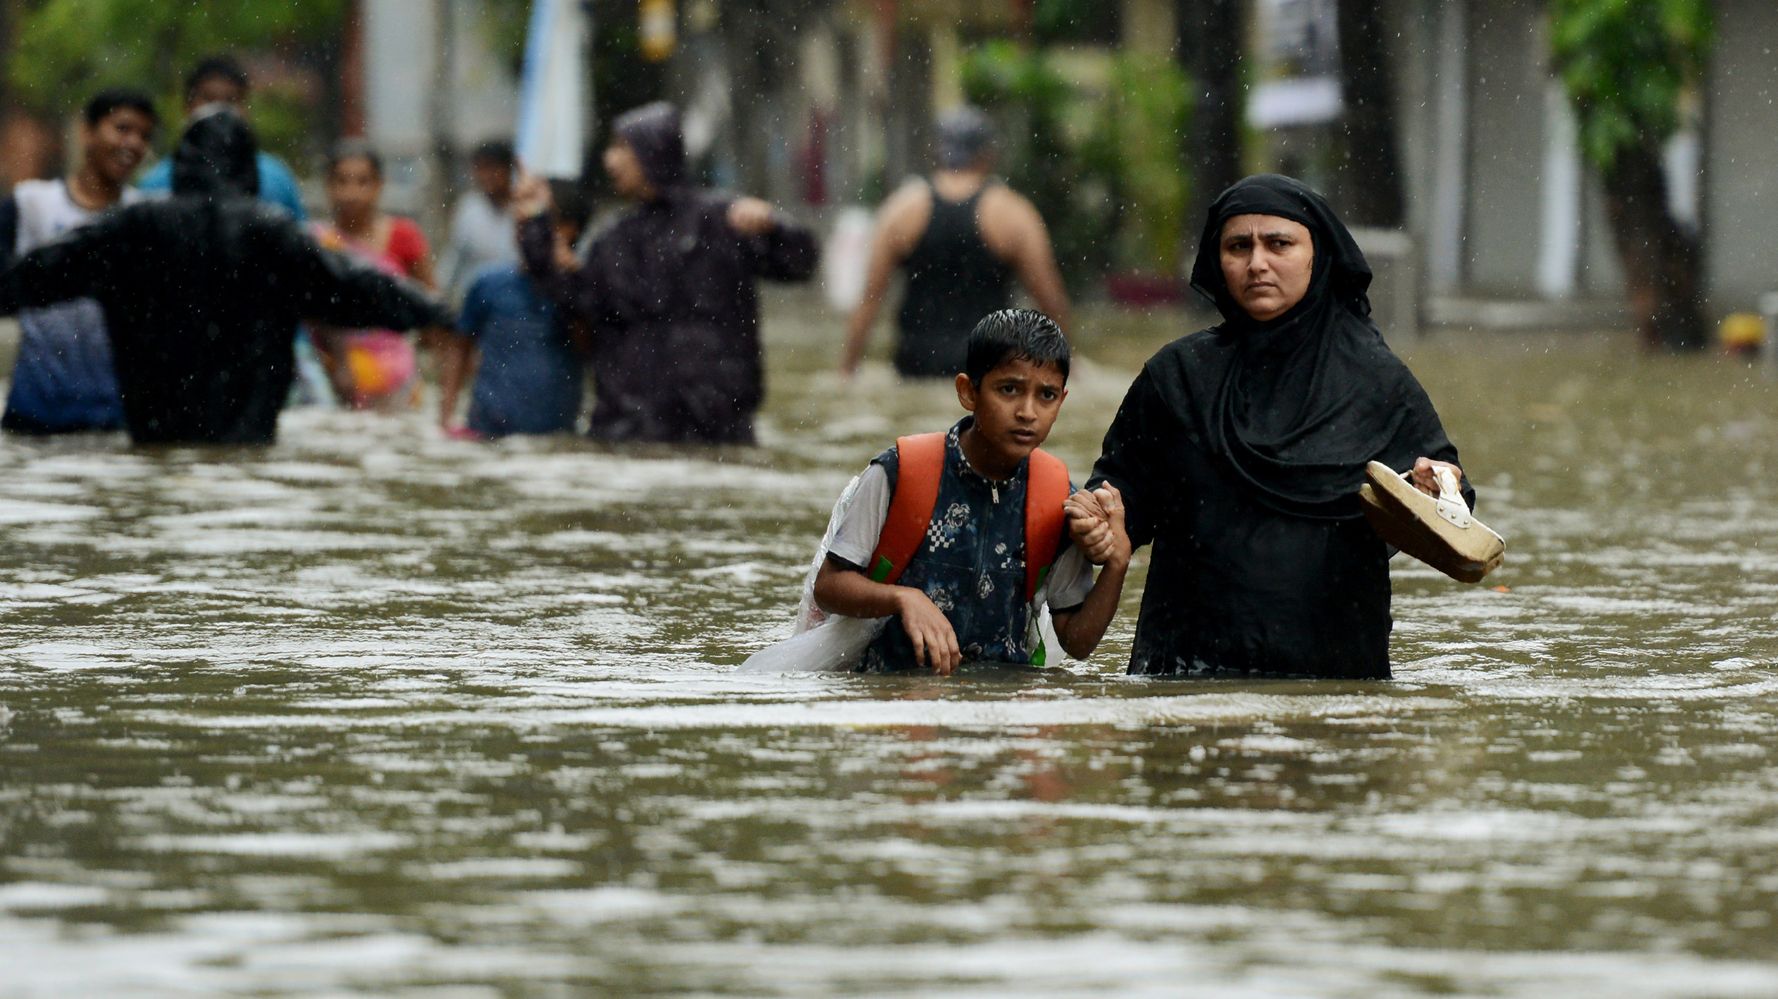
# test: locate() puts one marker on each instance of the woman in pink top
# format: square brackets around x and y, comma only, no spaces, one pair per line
[371,369]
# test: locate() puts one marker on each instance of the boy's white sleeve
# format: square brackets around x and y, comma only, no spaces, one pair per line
[1070,580]
[863,523]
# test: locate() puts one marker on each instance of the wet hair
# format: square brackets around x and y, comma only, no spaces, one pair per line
[965,136]
[1015,334]
[572,205]
[212,67]
[354,149]
[494,151]
[102,104]
[217,156]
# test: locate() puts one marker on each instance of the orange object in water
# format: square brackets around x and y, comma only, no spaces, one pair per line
[382,366]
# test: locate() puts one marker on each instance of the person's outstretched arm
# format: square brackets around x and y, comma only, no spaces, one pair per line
[777,248]
[457,351]
[1033,258]
[335,289]
[77,265]
[889,245]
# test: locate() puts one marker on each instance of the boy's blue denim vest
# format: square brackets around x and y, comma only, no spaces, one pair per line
[972,564]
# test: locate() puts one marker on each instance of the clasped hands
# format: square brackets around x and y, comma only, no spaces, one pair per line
[1096,524]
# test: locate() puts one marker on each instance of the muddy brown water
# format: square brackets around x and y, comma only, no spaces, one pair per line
[372,712]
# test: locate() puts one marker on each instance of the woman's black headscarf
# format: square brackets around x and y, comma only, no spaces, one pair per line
[1297,405]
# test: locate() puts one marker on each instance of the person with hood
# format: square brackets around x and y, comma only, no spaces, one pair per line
[1239,450]
[668,291]
[962,237]
[202,292]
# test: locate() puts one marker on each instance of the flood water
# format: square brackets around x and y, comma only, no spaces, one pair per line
[372,712]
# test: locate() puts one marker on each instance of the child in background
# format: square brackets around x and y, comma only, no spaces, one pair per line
[483,230]
[528,373]
[370,369]
[955,536]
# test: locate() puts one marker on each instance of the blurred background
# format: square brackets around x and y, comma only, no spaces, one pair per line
[1513,163]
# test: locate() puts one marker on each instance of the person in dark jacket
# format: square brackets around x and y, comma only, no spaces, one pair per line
[1239,451]
[668,291]
[202,293]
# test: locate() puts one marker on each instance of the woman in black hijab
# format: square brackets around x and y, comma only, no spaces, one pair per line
[1239,450]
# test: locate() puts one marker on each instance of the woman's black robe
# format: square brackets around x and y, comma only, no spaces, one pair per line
[1239,451]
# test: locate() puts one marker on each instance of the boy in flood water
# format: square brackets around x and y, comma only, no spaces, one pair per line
[528,368]
[959,538]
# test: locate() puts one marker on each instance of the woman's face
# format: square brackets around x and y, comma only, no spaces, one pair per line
[354,187]
[1266,263]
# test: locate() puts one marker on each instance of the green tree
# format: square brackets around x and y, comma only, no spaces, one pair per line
[1627,66]
[62,50]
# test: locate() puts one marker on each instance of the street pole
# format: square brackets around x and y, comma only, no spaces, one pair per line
[440,108]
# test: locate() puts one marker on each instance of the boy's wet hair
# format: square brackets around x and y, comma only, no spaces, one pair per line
[224,66]
[102,104]
[572,205]
[1015,334]
[354,149]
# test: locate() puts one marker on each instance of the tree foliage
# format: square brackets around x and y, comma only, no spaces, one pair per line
[63,50]
[1082,154]
[1626,65]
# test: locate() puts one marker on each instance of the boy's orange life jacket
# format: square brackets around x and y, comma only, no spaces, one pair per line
[921,460]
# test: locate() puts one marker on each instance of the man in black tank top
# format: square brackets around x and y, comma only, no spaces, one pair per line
[962,237]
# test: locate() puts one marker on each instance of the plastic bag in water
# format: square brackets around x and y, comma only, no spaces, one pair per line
[820,641]
[834,644]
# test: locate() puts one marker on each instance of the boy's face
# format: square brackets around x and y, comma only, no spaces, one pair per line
[115,145]
[492,177]
[1014,406]
[216,90]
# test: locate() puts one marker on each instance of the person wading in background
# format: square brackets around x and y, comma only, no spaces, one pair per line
[63,381]
[202,292]
[962,236]
[482,226]
[669,292]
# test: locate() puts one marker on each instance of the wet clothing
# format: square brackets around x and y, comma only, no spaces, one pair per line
[380,367]
[63,379]
[953,280]
[668,296]
[277,185]
[1239,451]
[971,564]
[202,292]
[529,378]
